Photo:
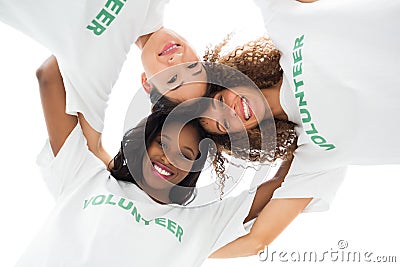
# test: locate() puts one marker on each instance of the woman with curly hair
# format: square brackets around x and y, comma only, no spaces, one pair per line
[334,82]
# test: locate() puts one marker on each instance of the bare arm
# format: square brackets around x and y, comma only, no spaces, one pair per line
[272,220]
[52,93]
[265,229]
[59,124]
[94,141]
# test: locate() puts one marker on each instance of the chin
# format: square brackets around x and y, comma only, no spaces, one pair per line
[157,183]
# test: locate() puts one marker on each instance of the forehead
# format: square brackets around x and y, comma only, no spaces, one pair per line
[191,71]
[237,90]
[187,92]
[181,82]
[209,124]
[174,130]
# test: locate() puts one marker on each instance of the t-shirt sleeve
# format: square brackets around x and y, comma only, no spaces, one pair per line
[89,94]
[320,185]
[65,171]
[90,73]
[42,20]
[89,64]
[230,216]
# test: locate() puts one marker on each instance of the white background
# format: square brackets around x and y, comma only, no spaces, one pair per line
[365,212]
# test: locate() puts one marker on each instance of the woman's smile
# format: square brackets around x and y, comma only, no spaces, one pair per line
[161,170]
[169,49]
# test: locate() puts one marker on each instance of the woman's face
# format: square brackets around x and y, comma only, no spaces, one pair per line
[165,49]
[170,156]
[234,110]
[181,82]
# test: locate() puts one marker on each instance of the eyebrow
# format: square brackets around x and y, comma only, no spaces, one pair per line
[186,147]
[166,137]
[198,72]
[179,85]
[182,83]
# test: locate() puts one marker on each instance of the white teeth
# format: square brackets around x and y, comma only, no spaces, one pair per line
[161,171]
[169,49]
[246,108]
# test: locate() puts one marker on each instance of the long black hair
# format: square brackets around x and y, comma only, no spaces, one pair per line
[134,146]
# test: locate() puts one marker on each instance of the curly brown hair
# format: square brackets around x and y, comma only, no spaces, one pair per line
[259,61]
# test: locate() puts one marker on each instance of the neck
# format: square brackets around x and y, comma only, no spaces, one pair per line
[272,95]
[162,196]
[142,40]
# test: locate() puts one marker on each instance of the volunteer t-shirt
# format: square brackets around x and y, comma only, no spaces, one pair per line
[99,221]
[340,61]
[90,39]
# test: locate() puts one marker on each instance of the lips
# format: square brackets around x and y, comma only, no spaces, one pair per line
[247,112]
[169,49]
[162,171]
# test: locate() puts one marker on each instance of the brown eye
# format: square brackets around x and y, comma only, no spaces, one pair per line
[193,65]
[184,156]
[173,79]
[226,125]
[221,101]
[162,145]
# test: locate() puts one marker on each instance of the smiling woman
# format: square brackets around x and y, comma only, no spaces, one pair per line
[162,165]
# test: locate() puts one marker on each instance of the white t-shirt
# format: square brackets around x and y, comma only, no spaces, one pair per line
[90,39]
[341,62]
[99,221]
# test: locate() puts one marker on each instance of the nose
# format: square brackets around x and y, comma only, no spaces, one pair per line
[230,98]
[232,112]
[176,58]
[165,159]
[173,161]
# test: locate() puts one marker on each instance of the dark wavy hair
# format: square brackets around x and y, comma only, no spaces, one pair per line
[134,146]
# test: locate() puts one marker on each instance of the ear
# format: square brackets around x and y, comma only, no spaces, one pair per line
[145,83]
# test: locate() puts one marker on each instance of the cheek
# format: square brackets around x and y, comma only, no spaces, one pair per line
[192,55]
[145,166]
[251,124]
[199,90]
[174,95]
[150,68]
[182,175]
[237,126]
[182,166]
[151,65]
